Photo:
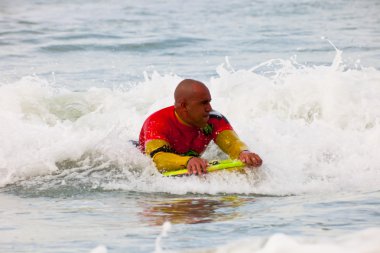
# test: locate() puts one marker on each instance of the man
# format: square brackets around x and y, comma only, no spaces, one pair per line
[176,136]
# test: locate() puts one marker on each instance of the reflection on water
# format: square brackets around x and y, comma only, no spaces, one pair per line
[192,210]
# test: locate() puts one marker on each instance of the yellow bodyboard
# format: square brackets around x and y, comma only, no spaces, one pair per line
[213,166]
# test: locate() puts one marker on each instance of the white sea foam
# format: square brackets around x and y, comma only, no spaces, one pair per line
[350,243]
[165,229]
[316,128]
[99,249]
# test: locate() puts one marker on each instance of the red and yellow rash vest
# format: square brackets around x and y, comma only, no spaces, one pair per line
[171,142]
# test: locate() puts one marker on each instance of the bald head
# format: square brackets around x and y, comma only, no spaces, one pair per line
[192,102]
[188,89]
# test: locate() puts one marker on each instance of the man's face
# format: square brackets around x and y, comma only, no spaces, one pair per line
[198,108]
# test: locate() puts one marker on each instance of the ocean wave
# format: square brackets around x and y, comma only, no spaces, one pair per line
[316,127]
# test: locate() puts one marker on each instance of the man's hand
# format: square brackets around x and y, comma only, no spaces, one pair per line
[197,166]
[250,159]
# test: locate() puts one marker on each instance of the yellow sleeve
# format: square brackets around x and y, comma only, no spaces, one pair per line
[229,142]
[159,150]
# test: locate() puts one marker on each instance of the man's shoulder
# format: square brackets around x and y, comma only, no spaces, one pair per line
[217,116]
[218,123]
[158,122]
[163,113]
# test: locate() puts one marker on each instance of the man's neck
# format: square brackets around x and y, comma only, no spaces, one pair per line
[181,120]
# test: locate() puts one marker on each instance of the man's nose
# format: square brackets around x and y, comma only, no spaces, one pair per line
[208,107]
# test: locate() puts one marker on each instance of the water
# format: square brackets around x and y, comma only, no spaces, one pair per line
[298,80]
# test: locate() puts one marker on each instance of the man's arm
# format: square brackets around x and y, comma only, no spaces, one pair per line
[164,158]
[229,142]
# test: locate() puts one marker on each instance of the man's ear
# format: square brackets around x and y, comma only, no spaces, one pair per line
[183,105]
